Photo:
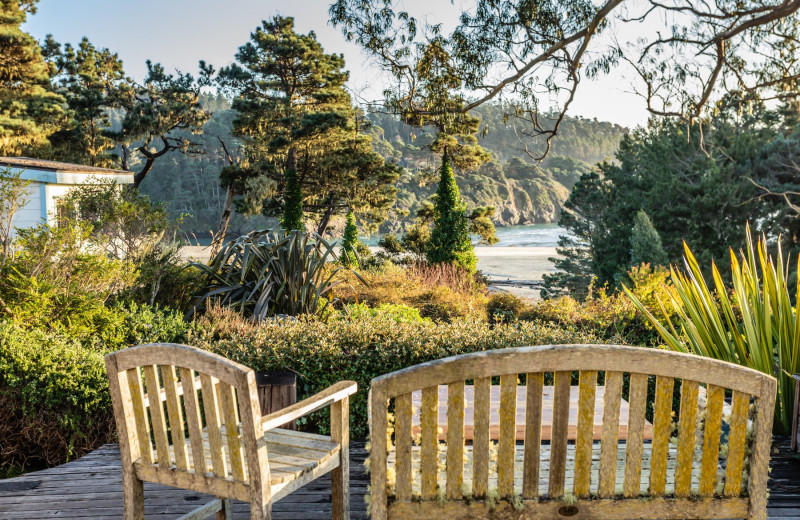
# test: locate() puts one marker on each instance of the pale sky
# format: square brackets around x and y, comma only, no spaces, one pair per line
[179,33]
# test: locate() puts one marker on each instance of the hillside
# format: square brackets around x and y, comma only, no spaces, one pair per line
[521,192]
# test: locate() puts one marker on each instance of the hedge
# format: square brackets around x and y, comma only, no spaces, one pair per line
[361,348]
[54,391]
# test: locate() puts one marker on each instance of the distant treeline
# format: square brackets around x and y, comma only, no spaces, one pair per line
[522,191]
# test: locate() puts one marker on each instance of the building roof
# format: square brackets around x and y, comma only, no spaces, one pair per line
[57,166]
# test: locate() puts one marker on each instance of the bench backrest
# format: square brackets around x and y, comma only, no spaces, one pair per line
[178,411]
[626,372]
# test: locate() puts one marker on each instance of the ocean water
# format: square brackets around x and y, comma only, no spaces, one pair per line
[533,235]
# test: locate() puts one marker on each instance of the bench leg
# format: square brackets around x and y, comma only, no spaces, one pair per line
[261,511]
[226,513]
[340,476]
[132,495]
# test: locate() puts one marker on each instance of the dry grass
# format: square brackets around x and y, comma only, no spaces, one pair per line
[440,292]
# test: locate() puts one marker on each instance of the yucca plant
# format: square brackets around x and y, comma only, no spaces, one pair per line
[266,273]
[751,322]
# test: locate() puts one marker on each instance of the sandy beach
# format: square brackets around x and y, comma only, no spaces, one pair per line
[513,269]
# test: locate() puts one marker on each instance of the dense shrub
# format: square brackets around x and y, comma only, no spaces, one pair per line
[53,387]
[54,397]
[442,292]
[504,307]
[612,314]
[359,348]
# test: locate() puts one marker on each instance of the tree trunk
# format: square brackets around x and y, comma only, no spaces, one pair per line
[224,220]
[326,219]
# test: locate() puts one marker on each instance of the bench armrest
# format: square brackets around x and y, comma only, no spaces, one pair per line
[322,399]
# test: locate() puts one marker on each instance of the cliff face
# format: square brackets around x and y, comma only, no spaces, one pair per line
[519,201]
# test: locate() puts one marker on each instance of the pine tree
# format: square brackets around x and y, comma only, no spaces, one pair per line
[29,110]
[293,203]
[450,242]
[646,244]
[295,114]
[350,241]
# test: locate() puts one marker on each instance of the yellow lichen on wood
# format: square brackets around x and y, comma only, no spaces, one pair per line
[687,427]
[558,442]
[455,440]
[429,454]
[737,443]
[140,415]
[634,446]
[711,435]
[609,439]
[403,413]
[508,432]
[480,441]
[533,435]
[583,443]
[662,428]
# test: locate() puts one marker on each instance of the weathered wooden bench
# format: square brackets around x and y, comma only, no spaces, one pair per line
[190,419]
[703,467]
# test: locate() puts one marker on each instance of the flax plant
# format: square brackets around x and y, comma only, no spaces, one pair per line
[751,322]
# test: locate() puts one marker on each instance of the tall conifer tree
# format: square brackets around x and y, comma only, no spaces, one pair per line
[450,242]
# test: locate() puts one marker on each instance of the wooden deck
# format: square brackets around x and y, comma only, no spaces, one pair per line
[91,488]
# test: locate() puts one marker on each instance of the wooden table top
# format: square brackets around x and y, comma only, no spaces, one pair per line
[547,413]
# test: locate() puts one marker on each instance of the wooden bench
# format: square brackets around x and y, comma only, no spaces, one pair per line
[692,469]
[191,419]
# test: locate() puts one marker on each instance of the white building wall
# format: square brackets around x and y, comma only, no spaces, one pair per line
[31,214]
[53,193]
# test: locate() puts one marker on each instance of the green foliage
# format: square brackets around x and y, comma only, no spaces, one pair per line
[54,396]
[398,312]
[54,283]
[700,195]
[263,274]
[124,224]
[29,110]
[646,245]
[756,325]
[360,348]
[505,307]
[13,197]
[481,224]
[450,241]
[293,204]
[611,315]
[295,114]
[54,388]
[350,242]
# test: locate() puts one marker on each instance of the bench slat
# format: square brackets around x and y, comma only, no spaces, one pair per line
[508,430]
[227,396]
[708,467]
[608,444]
[157,415]
[430,442]
[194,423]
[583,442]
[175,414]
[402,432]
[480,442]
[662,427]
[140,415]
[558,444]
[736,444]
[455,440]
[634,446]
[211,409]
[533,434]
[687,428]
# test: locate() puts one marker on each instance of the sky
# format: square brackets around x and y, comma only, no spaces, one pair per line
[179,33]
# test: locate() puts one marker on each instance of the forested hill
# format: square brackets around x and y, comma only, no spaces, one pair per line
[521,191]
